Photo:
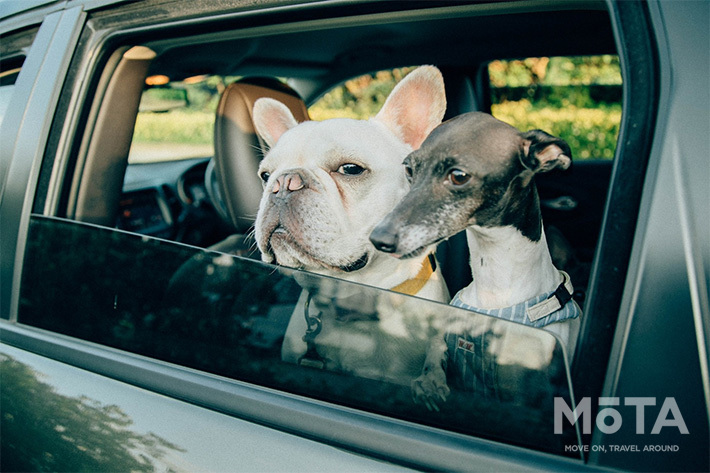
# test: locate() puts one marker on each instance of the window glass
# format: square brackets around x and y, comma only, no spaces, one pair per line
[306,334]
[575,98]
[7,87]
[176,118]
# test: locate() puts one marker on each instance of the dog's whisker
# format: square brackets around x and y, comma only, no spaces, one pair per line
[260,151]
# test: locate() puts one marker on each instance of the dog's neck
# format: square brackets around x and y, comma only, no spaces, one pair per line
[507,267]
[388,272]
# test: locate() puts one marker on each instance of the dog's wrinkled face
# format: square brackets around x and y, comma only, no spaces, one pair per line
[471,170]
[322,200]
[327,184]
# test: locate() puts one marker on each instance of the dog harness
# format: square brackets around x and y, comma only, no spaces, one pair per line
[542,310]
[470,367]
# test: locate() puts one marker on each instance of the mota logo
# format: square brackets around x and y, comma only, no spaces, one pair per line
[668,416]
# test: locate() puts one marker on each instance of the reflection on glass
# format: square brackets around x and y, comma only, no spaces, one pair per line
[298,332]
[76,433]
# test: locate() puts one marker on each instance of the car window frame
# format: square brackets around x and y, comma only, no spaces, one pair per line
[55,39]
[638,58]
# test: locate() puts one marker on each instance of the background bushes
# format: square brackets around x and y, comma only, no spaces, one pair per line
[590,132]
[577,99]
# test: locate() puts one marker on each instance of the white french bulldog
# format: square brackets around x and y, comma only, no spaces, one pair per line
[326,186]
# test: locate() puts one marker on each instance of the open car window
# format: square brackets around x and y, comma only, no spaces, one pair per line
[328,339]
[576,98]
[175,119]
[86,276]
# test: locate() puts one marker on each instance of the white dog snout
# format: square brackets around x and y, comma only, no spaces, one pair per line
[289,182]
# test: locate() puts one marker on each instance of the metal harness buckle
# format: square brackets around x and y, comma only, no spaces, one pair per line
[314,325]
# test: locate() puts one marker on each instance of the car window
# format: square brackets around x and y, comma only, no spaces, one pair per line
[575,98]
[89,274]
[298,332]
[7,86]
[360,97]
[176,118]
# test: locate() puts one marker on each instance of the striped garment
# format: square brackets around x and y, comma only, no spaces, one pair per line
[528,312]
[470,364]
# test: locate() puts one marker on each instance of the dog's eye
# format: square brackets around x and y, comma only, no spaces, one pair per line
[265,176]
[351,169]
[409,172]
[458,177]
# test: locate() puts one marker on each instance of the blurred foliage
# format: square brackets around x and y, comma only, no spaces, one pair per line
[359,98]
[193,124]
[203,95]
[176,126]
[583,70]
[575,98]
[590,132]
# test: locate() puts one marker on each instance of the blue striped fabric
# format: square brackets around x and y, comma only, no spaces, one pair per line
[517,313]
[469,364]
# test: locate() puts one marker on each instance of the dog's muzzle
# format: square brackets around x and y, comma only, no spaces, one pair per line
[357,264]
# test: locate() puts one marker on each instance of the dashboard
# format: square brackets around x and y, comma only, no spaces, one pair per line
[170,200]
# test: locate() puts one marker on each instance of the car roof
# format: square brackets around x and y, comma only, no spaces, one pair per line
[13,7]
[459,36]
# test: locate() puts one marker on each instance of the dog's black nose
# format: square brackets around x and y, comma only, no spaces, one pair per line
[384,240]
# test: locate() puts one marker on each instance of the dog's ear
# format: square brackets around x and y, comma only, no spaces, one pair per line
[543,152]
[415,106]
[272,119]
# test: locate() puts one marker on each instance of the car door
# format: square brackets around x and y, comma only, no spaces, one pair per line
[115,303]
[164,330]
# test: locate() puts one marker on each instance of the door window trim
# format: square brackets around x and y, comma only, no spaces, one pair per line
[55,40]
[374,435]
[638,56]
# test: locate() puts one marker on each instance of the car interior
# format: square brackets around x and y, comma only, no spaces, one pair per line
[212,200]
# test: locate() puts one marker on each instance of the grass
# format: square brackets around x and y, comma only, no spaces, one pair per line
[176,126]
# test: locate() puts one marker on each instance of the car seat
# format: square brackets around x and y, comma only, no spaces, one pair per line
[231,176]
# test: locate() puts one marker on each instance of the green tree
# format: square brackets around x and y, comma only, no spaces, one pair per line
[359,98]
[582,70]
